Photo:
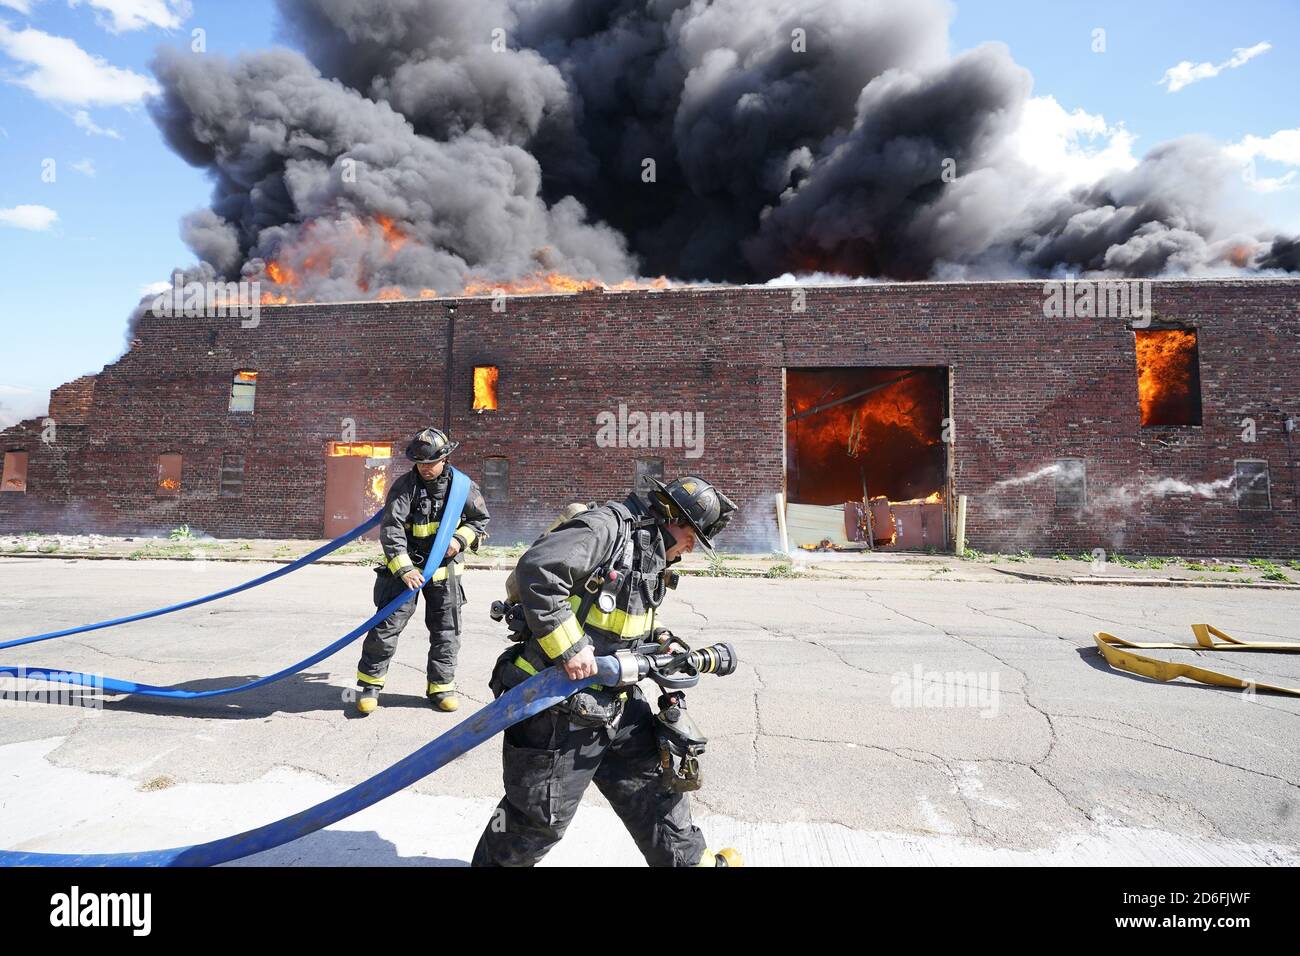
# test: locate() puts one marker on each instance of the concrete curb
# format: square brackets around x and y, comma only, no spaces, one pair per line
[805,573]
[1148,582]
[468,566]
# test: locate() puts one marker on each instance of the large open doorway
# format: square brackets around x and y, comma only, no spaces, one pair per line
[356,484]
[866,460]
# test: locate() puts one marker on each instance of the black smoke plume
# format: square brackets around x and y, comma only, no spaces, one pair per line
[433,144]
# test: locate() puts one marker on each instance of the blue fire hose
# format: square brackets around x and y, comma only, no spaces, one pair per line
[302,562]
[531,697]
[451,518]
[534,695]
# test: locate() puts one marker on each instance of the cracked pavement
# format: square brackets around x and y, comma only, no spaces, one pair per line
[913,720]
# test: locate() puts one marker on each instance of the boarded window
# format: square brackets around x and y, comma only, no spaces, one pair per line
[169,476]
[232,476]
[496,481]
[1071,483]
[1252,486]
[646,468]
[15,472]
[243,391]
[1169,377]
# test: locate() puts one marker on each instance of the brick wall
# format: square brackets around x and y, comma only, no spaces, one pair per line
[71,403]
[1026,391]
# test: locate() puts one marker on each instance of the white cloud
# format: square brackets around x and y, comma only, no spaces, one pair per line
[86,167]
[62,72]
[121,16]
[1282,147]
[154,288]
[1071,148]
[1271,184]
[22,6]
[83,121]
[35,218]
[1186,73]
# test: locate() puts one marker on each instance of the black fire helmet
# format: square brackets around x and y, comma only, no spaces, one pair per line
[694,501]
[430,446]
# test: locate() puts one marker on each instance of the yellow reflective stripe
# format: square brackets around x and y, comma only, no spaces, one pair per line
[440,688]
[524,666]
[468,533]
[367,679]
[439,575]
[562,638]
[617,621]
[424,530]
[399,563]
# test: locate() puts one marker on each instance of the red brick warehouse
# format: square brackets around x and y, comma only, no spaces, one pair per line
[1037,420]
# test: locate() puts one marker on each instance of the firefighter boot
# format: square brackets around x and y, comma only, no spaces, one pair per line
[367,698]
[728,857]
[443,697]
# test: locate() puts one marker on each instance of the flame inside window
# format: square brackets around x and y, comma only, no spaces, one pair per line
[377,489]
[243,391]
[865,432]
[485,388]
[15,472]
[1169,377]
[169,475]
[343,449]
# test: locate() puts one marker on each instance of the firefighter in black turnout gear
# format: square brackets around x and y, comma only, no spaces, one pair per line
[412,512]
[587,588]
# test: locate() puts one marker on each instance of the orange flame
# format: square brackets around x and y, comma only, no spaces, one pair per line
[933,498]
[1168,372]
[485,388]
[281,274]
[340,449]
[889,440]
[392,235]
[311,254]
[378,483]
[536,284]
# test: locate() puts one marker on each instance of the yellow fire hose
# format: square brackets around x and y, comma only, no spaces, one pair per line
[1117,654]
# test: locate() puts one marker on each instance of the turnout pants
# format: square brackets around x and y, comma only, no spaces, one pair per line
[548,761]
[441,616]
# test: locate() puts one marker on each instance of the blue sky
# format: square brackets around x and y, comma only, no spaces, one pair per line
[118,192]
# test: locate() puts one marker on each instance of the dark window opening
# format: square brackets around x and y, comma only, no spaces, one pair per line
[1071,483]
[243,391]
[1252,486]
[485,388]
[232,476]
[1169,377]
[496,481]
[169,476]
[646,468]
[15,472]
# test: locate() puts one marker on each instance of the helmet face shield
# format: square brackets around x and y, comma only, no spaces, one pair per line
[727,510]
